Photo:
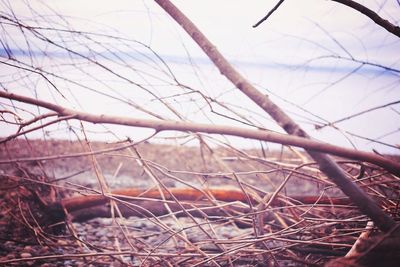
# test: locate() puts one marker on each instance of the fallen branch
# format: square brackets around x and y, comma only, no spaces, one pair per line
[185,194]
[80,202]
[148,203]
[165,125]
[372,249]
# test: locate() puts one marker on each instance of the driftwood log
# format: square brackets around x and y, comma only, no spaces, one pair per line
[181,201]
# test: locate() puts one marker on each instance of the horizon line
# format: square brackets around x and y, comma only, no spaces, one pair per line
[177,59]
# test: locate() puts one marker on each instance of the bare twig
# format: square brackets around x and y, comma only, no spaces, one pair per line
[357,114]
[269,13]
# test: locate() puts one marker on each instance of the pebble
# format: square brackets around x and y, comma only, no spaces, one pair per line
[44,250]
[110,235]
[9,243]
[103,238]
[25,255]
[61,242]
[101,233]
[10,256]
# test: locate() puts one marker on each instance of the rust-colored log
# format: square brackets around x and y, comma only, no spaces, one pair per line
[149,209]
[186,194]
[148,203]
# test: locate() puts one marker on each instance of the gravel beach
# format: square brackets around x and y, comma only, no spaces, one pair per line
[62,171]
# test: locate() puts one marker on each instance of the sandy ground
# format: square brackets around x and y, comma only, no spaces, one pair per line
[121,168]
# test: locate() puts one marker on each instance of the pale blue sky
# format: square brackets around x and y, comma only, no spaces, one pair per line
[290,56]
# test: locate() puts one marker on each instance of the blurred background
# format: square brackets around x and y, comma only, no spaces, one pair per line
[332,69]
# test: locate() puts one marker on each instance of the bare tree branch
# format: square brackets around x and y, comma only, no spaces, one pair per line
[166,125]
[269,13]
[357,114]
[372,15]
[326,164]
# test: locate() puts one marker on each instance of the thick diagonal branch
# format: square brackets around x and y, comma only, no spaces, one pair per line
[327,165]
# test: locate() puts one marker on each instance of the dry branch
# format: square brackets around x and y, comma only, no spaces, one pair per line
[184,194]
[372,15]
[326,164]
[80,202]
[149,203]
[166,125]
[268,14]
[388,26]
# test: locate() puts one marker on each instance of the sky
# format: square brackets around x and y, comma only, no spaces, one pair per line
[302,56]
